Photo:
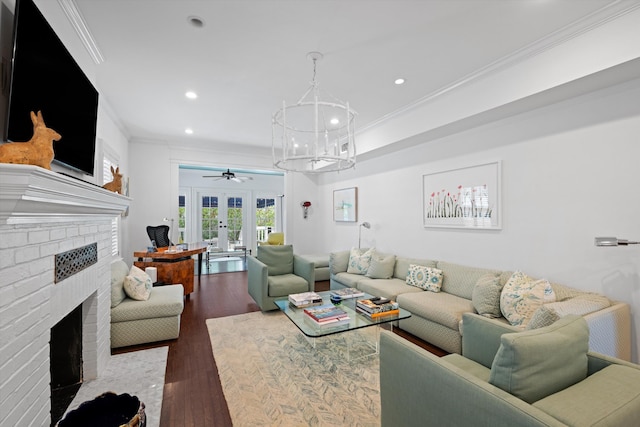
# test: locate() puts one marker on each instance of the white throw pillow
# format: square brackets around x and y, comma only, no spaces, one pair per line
[522,296]
[427,278]
[137,285]
[359,260]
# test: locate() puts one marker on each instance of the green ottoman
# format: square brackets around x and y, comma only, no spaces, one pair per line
[321,266]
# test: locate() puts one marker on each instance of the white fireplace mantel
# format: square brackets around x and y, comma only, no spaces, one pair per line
[30,194]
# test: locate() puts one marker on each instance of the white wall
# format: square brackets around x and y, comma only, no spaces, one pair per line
[569,173]
[155,181]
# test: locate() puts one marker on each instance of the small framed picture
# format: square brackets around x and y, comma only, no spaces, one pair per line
[345,205]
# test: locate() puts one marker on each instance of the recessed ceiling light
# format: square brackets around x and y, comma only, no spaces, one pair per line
[399,81]
[335,121]
[196,21]
[188,131]
[191,95]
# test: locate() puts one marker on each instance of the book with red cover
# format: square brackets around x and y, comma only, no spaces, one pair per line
[325,313]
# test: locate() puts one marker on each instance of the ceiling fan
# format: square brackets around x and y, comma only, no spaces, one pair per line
[229,176]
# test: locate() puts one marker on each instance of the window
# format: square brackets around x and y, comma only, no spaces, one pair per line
[265,217]
[109,160]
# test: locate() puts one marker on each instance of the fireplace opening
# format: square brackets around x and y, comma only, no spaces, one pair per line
[65,356]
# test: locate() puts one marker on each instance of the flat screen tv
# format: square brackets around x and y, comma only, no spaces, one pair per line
[46,78]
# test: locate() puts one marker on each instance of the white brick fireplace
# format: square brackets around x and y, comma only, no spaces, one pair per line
[43,213]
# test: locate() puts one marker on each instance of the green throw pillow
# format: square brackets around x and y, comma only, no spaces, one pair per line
[537,363]
[381,266]
[486,296]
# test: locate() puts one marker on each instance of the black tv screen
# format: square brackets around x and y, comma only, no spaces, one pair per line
[46,78]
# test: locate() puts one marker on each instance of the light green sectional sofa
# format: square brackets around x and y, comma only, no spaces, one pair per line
[138,322]
[540,377]
[437,316]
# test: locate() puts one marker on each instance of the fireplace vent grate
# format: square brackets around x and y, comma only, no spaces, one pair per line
[73,261]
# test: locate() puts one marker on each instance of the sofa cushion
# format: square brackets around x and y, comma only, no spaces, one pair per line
[285,284]
[137,284]
[427,278]
[610,397]
[381,266]
[388,288]
[441,307]
[164,301]
[581,304]
[522,296]
[278,259]
[359,260]
[350,280]
[119,270]
[486,296]
[402,266]
[460,280]
[534,364]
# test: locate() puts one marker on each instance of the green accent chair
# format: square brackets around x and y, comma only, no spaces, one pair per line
[276,272]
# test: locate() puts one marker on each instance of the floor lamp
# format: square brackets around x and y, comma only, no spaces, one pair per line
[365,225]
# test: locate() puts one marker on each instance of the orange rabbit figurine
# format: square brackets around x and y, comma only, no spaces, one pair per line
[116,184]
[37,151]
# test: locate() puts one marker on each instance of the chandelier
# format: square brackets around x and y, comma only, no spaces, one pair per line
[314,135]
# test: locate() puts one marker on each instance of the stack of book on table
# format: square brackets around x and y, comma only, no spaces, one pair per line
[377,307]
[346,293]
[305,299]
[327,315]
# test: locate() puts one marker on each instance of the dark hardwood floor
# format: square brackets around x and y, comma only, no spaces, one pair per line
[192,392]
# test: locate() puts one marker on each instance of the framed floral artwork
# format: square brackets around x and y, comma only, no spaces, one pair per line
[345,205]
[467,197]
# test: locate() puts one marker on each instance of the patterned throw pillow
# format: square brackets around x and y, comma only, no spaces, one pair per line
[137,285]
[427,278]
[359,260]
[543,316]
[522,296]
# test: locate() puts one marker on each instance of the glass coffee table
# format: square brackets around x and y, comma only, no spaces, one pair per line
[313,331]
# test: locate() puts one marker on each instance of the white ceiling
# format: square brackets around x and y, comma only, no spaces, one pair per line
[251,55]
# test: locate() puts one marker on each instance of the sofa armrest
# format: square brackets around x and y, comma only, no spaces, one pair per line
[610,331]
[418,388]
[257,277]
[306,269]
[481,337]
[338,262]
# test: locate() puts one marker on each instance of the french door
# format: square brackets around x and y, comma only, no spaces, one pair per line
[223,219]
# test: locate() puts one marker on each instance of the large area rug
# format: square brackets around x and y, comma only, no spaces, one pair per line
[271,375]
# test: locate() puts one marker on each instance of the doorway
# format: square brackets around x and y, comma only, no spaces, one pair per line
[223,219]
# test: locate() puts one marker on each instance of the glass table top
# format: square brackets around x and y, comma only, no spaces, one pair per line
[356,320]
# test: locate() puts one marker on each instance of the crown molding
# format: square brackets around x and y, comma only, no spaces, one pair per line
[78,23]
[610,12]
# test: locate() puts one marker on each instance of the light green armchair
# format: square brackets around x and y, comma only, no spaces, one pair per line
[276,272]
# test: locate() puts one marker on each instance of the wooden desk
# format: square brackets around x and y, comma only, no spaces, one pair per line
[173,267]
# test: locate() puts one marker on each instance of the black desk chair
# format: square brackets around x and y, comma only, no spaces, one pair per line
[159,234]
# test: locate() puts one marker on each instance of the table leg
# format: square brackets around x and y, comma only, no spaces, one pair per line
[199,264]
